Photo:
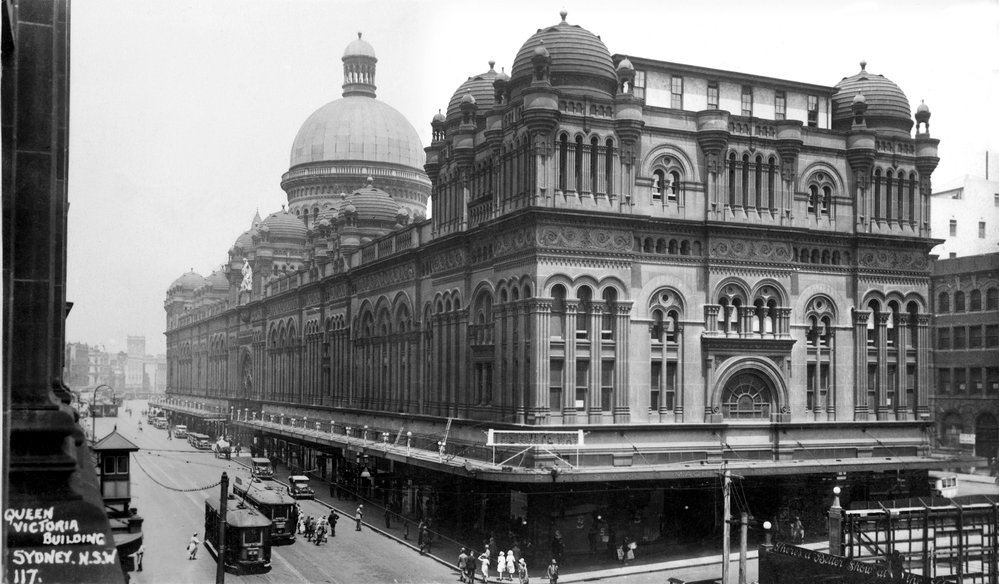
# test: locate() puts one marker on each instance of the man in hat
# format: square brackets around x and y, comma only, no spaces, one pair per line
[358,515]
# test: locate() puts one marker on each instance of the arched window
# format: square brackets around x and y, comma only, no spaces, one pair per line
[992,299]
[563,161]
[747,396]
[609,165]
[959,301]
[607,318]
[673,186]
[745,181]
[943,302]
[594,163]
[656,330]
[877,194]
[558,312]
[888,196]
[758,169]
[658,184]
[826,200]
[731,179]
[772,184]
[813,198]
[976,300]
[585,297]
[900,194]
[578,170]
[912,197]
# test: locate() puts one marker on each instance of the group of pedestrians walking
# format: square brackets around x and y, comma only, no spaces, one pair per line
[508,565]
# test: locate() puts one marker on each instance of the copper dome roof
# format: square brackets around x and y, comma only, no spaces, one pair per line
[285,227]
[480,87]
[373,204]
[578,59]
[887,105]
[358,128]
[188,281]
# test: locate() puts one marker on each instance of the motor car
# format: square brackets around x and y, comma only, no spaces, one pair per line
[180,431]
[298,487]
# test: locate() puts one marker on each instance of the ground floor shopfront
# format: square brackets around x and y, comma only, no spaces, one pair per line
[561,514]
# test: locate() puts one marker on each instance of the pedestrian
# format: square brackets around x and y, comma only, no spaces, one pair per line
[332,519]
[320,536]
[484,561]
[557,545]
[301,521]
[388,518]
[462,564]
[423,537]
[522,571]
[797,531]
[511,565]
[501,566]
[192,547]
[358,515]
[332,488]
[553,572]
[470,567]
[137,556]
[896,564]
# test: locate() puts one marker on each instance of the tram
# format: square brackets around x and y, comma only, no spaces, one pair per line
[943,484]
[275,504]
[247,537]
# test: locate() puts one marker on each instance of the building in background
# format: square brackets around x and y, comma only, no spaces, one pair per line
[132,371]
[966,217]
[696,269]
[966,306]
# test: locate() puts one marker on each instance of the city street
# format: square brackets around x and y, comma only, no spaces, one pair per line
[166,479]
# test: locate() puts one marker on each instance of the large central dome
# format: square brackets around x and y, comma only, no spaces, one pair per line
[358,128]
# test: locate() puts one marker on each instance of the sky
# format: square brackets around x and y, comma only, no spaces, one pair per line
[183,112]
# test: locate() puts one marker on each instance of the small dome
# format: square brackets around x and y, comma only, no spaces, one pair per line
[502,76]
[359,48]
[245,240]
[373,204]
[922,112]
[438,117]
[188,282]
[887,106]
[579,59]
[479,88]
[859,98]
[217,282]
[285,227]
[625,65]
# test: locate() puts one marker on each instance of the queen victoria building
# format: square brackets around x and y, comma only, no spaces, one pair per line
[637,274]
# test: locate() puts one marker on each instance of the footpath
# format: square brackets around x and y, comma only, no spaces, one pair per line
[680,565]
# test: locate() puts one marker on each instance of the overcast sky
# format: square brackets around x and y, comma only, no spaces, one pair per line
[184,111]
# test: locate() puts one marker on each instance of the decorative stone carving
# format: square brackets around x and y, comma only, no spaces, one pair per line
[449,260]
[895,260]
[514,241]
[751,250]
[386,277]
[579,238]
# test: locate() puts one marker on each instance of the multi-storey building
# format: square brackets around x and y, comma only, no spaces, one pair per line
[698,270]
[966,401]
[966,217]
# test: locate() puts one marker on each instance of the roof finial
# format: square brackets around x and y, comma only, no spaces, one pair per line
[863,65]
[492,64]
[370,180]
[563,14]
[358,35]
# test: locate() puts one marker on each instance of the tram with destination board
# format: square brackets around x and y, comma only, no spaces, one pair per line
[276,505]
[247,536]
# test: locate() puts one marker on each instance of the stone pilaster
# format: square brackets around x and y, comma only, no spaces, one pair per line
[884,409]
[622,409]
[923,380]
[860,406]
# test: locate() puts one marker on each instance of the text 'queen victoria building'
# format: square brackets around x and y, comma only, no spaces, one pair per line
[699,269]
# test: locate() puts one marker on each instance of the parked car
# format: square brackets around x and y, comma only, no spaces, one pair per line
[180,431]
[298,486]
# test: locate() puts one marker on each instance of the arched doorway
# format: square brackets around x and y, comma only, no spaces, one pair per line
[986,436]
[748,395]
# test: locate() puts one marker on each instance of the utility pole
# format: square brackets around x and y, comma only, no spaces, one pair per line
[743,543]
[223,507]
[726,528]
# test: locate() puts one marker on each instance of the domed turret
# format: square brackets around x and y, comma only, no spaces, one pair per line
[373,205]
[217,282]
[284,227]
[479,87]
[187,282]
[579,60]
[887,106]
